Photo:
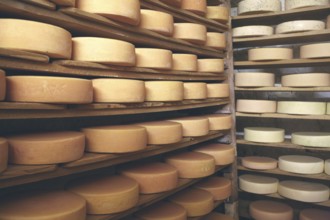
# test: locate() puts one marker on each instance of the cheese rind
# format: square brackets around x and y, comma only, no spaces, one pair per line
[247,7]
[327,166]
[219,187]
[195,6]
[194,33]
[264,134]
[253,31]
[157,21]
[217,216]
[193,126]
[270,54]
[217,90]
[216,40]
[219,121]
[222,153]
[311,139]
[313,214]
[301,164]
[211,65]
[320,50]
[251,79]
[218,13]
[301,108]
[2,85]
[153,58]
[3,154]
[270,210]
[255,106]
[164,91]
[195,90]
[259,163]
[299,26]
[306,80]
[258,184]
[184,62]
[163,210]
[295,4]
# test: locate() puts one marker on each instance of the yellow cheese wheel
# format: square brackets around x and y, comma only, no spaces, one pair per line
[162,211]
[257,184]
[195,6]
[299,26]
[2,85]
[194,33]
[153,177]
[211,65]
[270,210]
[157,21]
[216,40]
[46,148]
[295,4]
[49,89]
[219,187]
[195,90]
[252,31]
[118,90]
[153,58]
[126,11]
[219,121]
[184,62]
[301,108]
[264,134]
[327,167]
[222,153]
[259,163]
[115,139]
[328,108]
[314,214]
[247,7]
[64,2]
[37,37]
[311,139]
[3,154]
[164,91]
[175,3]
[301,164]
[320,50]
[328,22]
[254,79]
[270,54]
[217,216]
[218,13]
[255,106]
[193,126]
[43,205]
[306,80]
[106,194]
[192,164]
[217,90]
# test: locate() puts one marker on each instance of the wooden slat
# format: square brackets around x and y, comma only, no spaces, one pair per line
[42,3]
[17,171]
[30,106]
[278,115]
[64,2]
[283,89]
[19,54]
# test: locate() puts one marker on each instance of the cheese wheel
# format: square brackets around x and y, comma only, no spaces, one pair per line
[192,164]
[314,214]
[103,50]
[43,205]
[157,21]
[311,139]
[301,108]
[163,210]
[253,31]
[247,7]
[270,54]
[3,154]
[175,3]
[270,210]
[299,26]
[251,79]
[164,91]
[126,11]
[153,58]
[258,184]
[211,65]
[46,148]
[2,85]
[259,163]
[218,13]
[306,80]
[65,2]
[255,106]
[222,153]
[328,22]
[115,139]
[216,40]
[52,41]
[49,89]
[294,4]
[197,202]
[118,90]
[327,167]
[304,191]
[321,50]
[219,122]
[219,187]
[195,90]
[264,134]
[107,194]
[217,90]
[301,164]
[328,108]
[193,126]
[153,177]
[194,33]
[195,6]
[217,216]
[184,62]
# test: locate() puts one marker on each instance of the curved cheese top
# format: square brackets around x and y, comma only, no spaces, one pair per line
[259,163]
[194,33]
[252,31]
[157,21]
[195,6]
[220,187]
[254,79]
[264,134]
[270,210]
[310,214]
[194,126]
[3,154]
[184,62]
[2,85]
[217,216]
[256,7]
[301,108]
[299,26]
[153,58]
[301,164]
[216,40]
[295,4]
[311,139]
[306,80]
[269,54]
[258,184]
[319,50]
[256,106]
[218,13]
[163,210]
[327,167]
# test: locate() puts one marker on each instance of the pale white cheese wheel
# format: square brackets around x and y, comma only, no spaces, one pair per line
[3,154]
[211,65]
[153,177]
[294,4]
[301,108]
[106,194]
[222,153]
[314,214]
[258,184]
[103,50]
[216,40]
[157,21]
[217,90]
[254,79]
[118,90]
[184,62]
[46,148]
[304,191]
[327,166]
[321,50]
[269,54]
[246,7]
[195,90]
[163,210]
[2,85]
[217,216]
[195,6]
[306,80]
[328,108]
[194,33]
[311,139]
[255,106]
[64,2]
[193,126]
[219,187]
[115,139]
[301,164]
[264,134]
[42,38]
[270,210]
[49,89]
[259,163]
[192,164]
[43,205]
[126,11]
[299,26]
[164,91]
[219,121]
[153,58]
[218,13]
[253,31]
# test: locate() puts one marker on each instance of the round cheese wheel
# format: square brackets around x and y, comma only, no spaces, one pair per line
[299,26]
[255,106]
[216,40]
[153,58]
[304,191]
[107,194]
[43,205]
[197,202]
[222,153]
[115,139]
[211,65]
[301,164]
[306,80]
[217,216]
[311,139]
[184,62]
[259,163]
[328,108]
[153,177]
[42,38]
[118,90]
[195,6]
[217,90]
[194,33]
[195,90]
[301,108]
[253,31]
[46,148]
[270,54]
[192,164]
[218,13]
[3,154]
[164,91]
[2,85]
[264,134]
[175,3]
[157,21]
[314,214]
[219,122]
[294,4]
[163,132]
[247,7]
[321,50]
[258,184]
[126,11]
[270,210]
[251,79]
[163,210]
[193,126]
[327,167]
[219,187]
[49,89]
[328,22]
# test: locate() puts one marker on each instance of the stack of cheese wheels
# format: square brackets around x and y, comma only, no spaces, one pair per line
[216,40]
[259,163]
[252,31]
[175,3]
[103,50]
[254,79]
[2,85]
[255,106]
[3,154]
[192,164]
[194,33]
[264,134]
[157,21]
[153,177]
[164,91]
[197,202]
[320,50]
[269,54]
[217,90]
[153,58]
[46,148]
[185,62]
[107,194]
[218,13]
[246,7]
[299,26]
[195,6]
[311,139]
[263,209]
[258,184]
[301,108]
[59,205]
[219,187]
[54,42]
[223,154]
[193,126]
[163,132]
[115,139]
[118,90]
[126,11]
[301,164]
[65,2]
[217,216]
[211,65]
[294,4]
[49,89]
[327,166]
[304,191]
[195,90]
[306,80]
[219,122]
[163,210]
[310,214]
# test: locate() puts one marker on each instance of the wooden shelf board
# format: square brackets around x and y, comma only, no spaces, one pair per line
[283,89]
[42,3]
[30,106]
[286,116]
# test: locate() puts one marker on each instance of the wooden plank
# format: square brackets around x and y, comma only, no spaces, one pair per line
[19,54]
[30,106]
[283,89]
[286,116]
[64,2]
[16,171]
[42,3]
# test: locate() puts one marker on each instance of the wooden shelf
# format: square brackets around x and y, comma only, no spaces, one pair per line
[283,89]
[286,116]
